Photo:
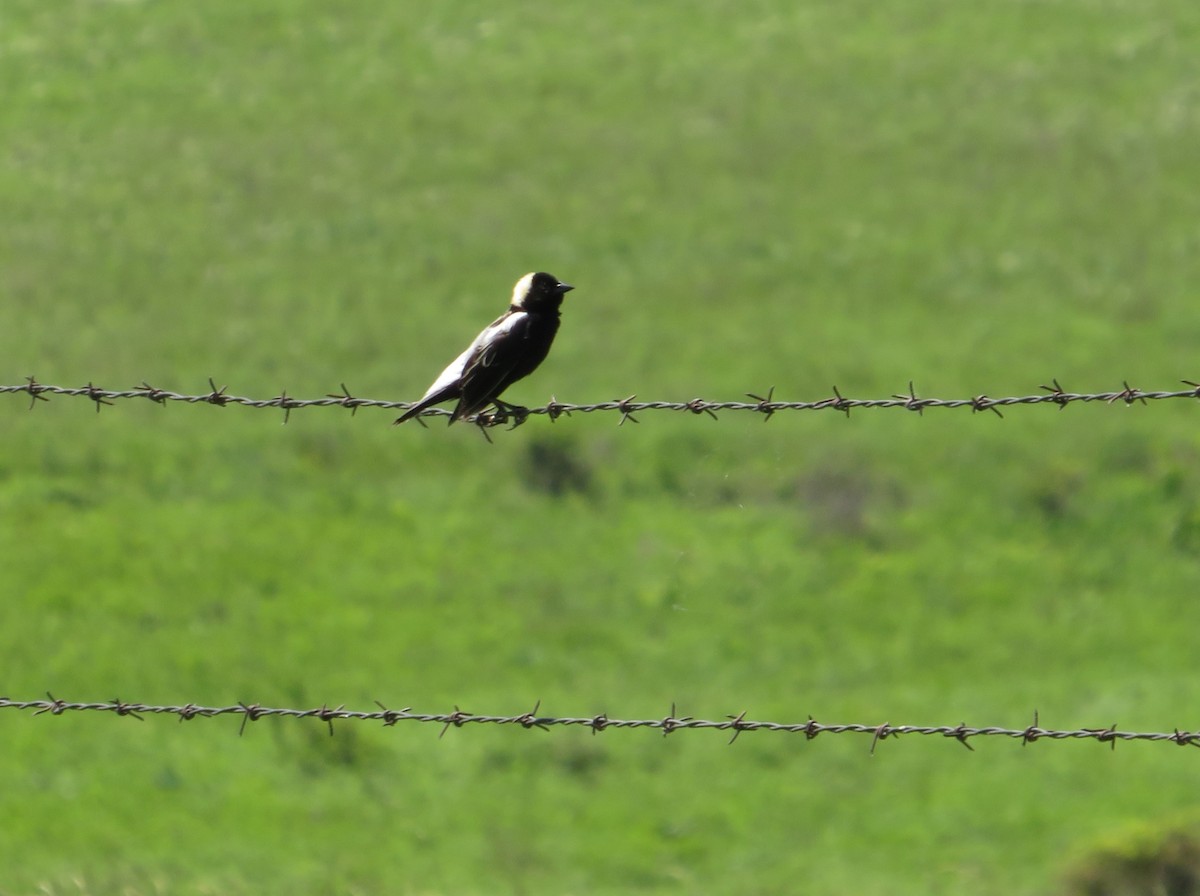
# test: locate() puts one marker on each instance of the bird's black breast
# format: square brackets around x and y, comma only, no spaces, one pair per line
[539,336]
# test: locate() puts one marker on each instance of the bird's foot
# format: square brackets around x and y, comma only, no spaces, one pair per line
[506,412]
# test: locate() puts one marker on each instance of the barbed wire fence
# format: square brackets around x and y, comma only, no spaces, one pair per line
[738,724]
[669,724]
[765,405]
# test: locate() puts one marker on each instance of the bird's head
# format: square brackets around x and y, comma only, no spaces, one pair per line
[539,292]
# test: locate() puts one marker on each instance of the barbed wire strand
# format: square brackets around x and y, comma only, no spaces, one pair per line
[669,724]
[1053,394]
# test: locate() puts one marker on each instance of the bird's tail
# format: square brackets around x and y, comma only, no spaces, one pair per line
[412,412]
[426,402]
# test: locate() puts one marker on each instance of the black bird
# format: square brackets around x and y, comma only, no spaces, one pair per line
[510,348]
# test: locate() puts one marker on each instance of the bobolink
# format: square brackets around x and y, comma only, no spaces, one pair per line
[510,348]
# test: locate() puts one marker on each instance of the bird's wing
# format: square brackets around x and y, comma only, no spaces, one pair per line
[490,362]
[448,384]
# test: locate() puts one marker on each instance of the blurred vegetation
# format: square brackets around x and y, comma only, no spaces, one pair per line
[1151,859]
[746,195]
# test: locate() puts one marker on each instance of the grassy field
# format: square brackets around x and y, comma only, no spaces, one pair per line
[977,197]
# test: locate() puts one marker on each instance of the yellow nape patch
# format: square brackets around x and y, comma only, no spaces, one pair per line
[521,290]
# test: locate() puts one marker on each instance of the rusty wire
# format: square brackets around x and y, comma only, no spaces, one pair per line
[766,405]
[668,724]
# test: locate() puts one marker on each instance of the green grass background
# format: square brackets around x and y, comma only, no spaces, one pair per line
[291,195]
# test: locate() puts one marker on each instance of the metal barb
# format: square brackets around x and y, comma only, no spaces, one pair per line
[626,413]
[125,709]
[251,712]
[840,403]
[328,715]
[286,403]
[737,723]
[700,406]
[764,404]
[216,396]
[554,410]
[911,401]
[1057,395]
[35,389]
[346,400]
[456,719]
[156,395]
[883,732]
[530,719]
[983,403]
[1033,732]
[96,394]
[1105,735]
[961,733]
[1186,739]
[481,421]
[672,722]
[1128,395]
[55,707]
[392,716]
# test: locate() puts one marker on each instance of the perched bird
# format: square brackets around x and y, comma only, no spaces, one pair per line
[510,348]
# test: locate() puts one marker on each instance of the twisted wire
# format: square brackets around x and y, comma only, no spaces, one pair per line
[765,405]
[669,724]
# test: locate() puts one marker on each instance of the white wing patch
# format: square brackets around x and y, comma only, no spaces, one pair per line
[454,372]
[451,374]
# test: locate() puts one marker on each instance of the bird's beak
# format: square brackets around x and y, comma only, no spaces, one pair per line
[564,288]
